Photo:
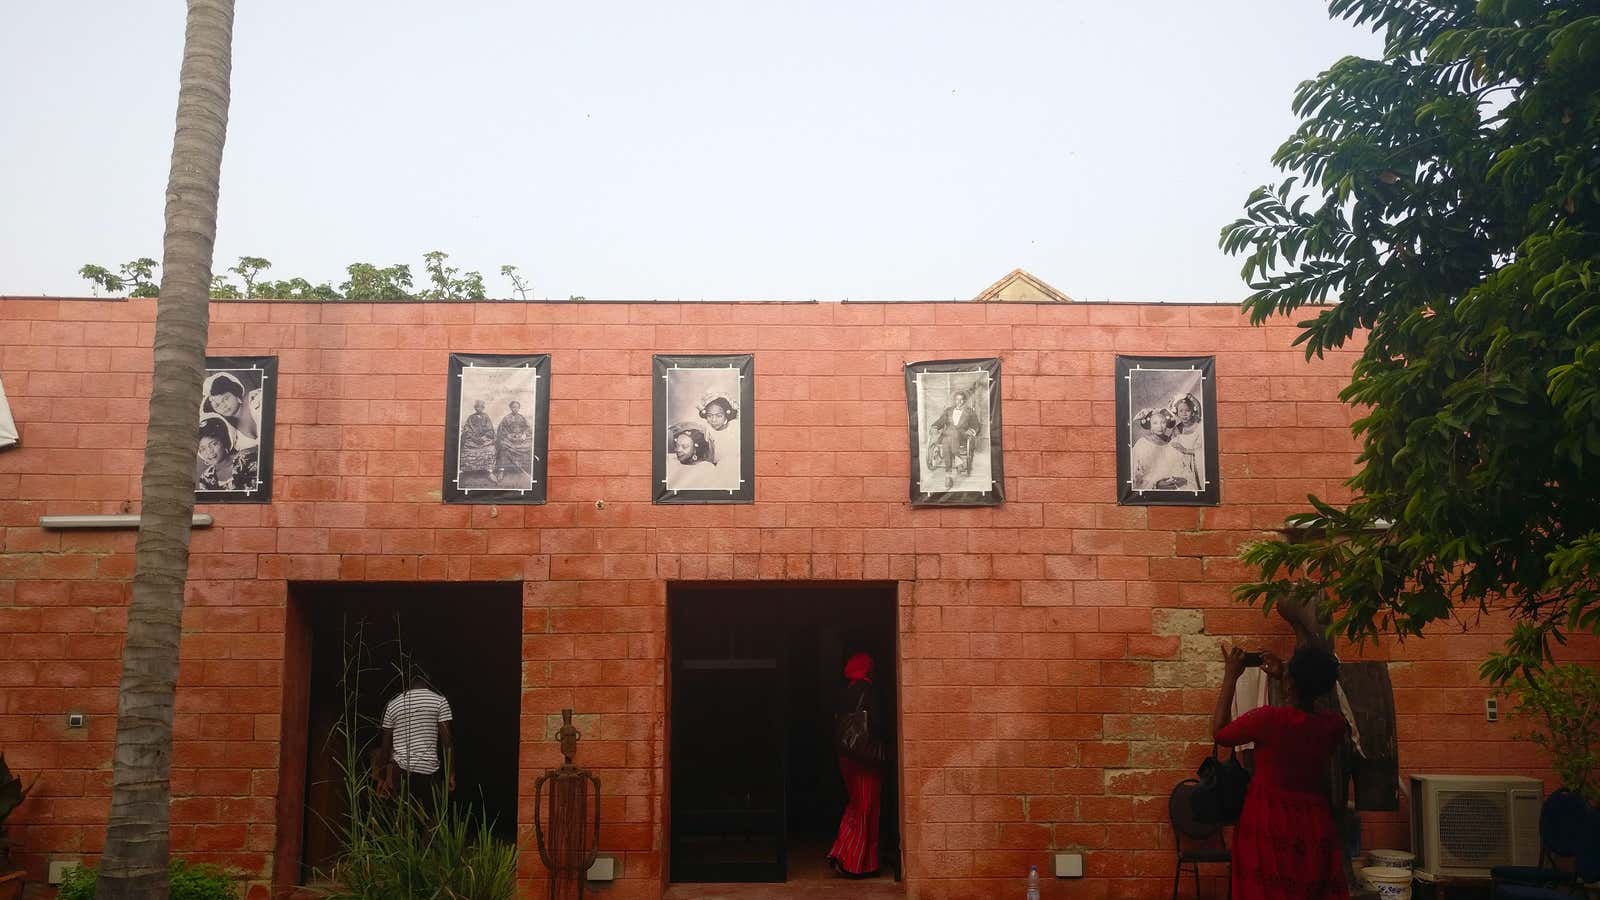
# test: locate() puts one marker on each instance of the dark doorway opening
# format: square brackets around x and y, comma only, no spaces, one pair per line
[757,672]
[467,640]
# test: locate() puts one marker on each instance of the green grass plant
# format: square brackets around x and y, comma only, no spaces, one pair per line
[187,882]
[398,847]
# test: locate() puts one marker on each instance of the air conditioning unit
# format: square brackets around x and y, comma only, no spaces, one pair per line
[1461,825]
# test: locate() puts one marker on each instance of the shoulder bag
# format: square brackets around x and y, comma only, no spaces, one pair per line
[1219,797]
[853,735]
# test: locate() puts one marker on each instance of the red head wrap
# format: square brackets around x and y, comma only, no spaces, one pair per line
[858,667]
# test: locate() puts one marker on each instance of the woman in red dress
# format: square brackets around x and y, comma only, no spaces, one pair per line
[1285,846]
[855,851]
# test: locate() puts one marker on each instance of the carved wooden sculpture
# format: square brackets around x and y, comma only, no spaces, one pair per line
[570,845]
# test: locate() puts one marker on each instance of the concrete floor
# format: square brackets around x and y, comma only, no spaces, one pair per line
[809,879]
[871,889]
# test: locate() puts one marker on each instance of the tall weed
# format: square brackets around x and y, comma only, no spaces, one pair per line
[401,847]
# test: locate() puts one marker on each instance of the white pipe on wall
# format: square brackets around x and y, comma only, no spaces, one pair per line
[123,520]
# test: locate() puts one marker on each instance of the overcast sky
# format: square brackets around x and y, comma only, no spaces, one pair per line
[809,149]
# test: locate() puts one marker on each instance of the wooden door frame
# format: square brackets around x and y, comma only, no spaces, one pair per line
[901,598]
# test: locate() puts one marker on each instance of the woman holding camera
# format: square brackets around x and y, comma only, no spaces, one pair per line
[1285,846]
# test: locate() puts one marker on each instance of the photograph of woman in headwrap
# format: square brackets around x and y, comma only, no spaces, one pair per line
[718,456]
[718,409]
[233,462]
[219,465]
[1157,464]
[497,428]
[701,413]
[1166,413]
[478,452]
[1189,438]
[691,466]
[238,406]
[513,440]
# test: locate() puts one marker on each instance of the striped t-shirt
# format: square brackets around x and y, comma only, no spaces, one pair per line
[414,717]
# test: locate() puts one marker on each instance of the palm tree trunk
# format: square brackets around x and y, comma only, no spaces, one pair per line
[135,861]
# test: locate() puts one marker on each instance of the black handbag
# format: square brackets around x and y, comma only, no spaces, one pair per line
[1219,797]
[853,735]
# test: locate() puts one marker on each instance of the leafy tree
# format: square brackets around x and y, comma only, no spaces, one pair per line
[248,270]
[296,289]
[368,282]
[1560,712]
[519,286]
[137,278]
[223,289]
[134,864]
[446,285]
[1447,196]
[101,277]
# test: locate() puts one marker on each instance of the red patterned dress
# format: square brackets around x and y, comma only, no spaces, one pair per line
[1285,846]
[855,850]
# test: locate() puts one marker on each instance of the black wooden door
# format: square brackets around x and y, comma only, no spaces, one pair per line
[728,741]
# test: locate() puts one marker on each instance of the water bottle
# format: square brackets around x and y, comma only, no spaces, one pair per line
[1033,883]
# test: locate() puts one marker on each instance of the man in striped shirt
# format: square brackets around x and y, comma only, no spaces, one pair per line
[416,741]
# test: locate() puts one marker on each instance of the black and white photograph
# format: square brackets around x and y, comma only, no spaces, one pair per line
[1167,423]
[233,461]
[953,409]
[705,429]
[497,429]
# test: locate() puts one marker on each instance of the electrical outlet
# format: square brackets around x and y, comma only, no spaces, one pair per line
[59,869]
[1491,709]
[1069,865]
[604,869]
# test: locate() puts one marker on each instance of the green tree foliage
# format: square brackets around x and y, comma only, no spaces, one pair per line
[519,286]
[366,282]
[446,284]
[296,289]
[1560,712]
[136,278]
[248,270]
[223,289]
[1447,196]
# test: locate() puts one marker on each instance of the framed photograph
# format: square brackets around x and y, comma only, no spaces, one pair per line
[953,409]
[233,460]
[497,429]
[1167,431]
[704,422]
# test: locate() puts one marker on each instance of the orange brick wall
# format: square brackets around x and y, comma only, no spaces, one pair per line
[1057,670]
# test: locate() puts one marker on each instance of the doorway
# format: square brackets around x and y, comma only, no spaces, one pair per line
[756,674]
[465,638]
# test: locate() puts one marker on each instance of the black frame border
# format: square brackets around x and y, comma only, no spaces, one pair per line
[269,424]
[1126,496]
[534,496]
[996,495]
[659,366]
